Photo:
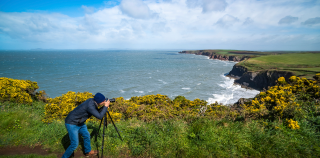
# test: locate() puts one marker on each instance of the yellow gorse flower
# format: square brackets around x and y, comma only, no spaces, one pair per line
[293,124]
[280,99]
[19,91]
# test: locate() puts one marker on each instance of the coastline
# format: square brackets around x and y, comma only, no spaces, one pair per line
[234,89]
[252,80]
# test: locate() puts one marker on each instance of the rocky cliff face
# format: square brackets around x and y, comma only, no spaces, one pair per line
[237,71]
[213,55]
[257,80]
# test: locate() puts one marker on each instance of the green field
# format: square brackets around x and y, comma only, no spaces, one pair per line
[301,64]
[21,125]
[230,52]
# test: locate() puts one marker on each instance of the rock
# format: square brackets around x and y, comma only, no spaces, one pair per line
[237,71]
[258,80]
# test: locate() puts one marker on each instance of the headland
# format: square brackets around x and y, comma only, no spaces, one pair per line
[260,70]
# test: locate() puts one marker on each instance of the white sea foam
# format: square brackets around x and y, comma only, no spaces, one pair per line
[185,88]
[227,83]
[138,91]
[163,81]
[199,84]
[231,93]
[122,91]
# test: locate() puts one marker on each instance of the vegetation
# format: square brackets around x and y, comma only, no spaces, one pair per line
[20,91]
[301,64]
[283,121]
[28,156]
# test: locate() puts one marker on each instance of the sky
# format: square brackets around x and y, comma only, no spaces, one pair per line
[160,24]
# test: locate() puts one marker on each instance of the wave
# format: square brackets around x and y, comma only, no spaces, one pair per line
[139,91]
[231,93]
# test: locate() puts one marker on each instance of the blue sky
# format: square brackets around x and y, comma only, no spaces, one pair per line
[72,8]
[160,24]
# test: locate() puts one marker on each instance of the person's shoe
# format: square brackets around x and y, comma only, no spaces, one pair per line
[92,153]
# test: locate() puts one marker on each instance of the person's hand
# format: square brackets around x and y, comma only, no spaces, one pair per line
[106,103]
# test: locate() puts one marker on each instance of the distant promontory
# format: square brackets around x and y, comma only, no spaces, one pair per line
[260,70]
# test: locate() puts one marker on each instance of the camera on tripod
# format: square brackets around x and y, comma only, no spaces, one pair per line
[111,100]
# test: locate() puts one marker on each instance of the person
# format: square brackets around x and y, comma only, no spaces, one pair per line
[74,123]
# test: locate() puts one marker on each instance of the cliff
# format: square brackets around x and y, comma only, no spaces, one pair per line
[258,80]
[214,55]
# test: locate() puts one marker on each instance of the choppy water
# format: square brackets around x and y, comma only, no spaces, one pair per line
[125,73]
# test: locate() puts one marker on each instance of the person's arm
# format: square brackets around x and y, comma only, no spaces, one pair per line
[99,115]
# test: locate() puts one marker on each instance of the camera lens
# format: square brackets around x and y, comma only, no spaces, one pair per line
[112,100]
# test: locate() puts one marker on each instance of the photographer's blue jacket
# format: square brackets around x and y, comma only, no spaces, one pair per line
[85,110]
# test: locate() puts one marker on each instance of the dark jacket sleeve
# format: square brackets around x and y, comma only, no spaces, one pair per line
[93,111]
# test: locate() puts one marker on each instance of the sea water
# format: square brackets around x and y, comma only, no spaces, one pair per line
[125,73]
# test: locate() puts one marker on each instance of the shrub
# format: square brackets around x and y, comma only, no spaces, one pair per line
[317,76]
[284,100]
[155,107]
[58,108]
[19,91]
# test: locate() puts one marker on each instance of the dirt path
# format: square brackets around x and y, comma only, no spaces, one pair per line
[36,150]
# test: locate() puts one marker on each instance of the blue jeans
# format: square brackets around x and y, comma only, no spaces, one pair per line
[74,131]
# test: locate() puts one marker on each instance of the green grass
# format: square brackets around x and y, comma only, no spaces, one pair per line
[222,52]
[301,64]
[21,125]
[28,156]
[311,59]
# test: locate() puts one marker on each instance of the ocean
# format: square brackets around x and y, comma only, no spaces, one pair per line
[125,73]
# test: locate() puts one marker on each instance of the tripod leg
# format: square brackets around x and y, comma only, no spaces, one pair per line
[100,126]
[104,127]
[96,137]
[114,125]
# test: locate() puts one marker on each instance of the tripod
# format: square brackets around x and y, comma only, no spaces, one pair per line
[105,125]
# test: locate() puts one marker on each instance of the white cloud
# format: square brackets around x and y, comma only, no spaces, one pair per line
[136,9]
[160,27]
[213,5]
[182,24]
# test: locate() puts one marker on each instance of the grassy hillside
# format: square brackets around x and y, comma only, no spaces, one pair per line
[281,122]
[301,64]
[22,125]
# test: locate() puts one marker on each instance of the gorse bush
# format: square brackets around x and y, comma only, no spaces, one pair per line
[155,107]
[19,91]
[59,107]
[285,100]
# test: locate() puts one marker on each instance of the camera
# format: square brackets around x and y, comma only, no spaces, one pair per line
[111,100]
